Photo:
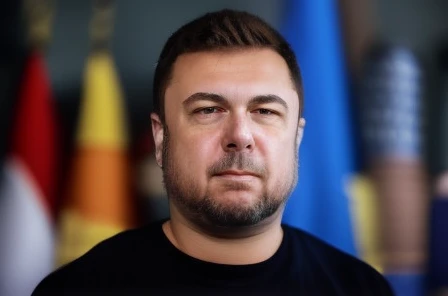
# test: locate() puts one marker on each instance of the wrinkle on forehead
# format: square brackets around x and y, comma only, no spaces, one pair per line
[235,62]
[238,74]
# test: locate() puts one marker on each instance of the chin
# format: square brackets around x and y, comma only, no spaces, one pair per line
[237,209]
[239,199]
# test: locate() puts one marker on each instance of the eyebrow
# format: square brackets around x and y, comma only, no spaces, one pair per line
[201,96]
[219,99]
[266,99]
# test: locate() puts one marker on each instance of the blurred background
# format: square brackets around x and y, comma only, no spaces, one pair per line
[76,149]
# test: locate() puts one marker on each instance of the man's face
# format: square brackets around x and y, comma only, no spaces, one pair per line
[229,145]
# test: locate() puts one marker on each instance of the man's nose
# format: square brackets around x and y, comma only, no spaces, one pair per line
[238,135]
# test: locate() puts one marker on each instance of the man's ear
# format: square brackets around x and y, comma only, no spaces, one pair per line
[300,129]
[157,133]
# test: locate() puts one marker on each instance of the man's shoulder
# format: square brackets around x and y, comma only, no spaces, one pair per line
[124,245]
[351,273]
[111,258]
[318,248]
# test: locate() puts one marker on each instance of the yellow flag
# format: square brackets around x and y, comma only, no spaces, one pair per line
[99,202]
[364,207]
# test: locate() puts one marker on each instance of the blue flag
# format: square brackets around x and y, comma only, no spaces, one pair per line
[320,203]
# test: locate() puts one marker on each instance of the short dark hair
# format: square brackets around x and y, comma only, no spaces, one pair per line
[221,30]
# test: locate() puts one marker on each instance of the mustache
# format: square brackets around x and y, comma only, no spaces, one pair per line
[239,161]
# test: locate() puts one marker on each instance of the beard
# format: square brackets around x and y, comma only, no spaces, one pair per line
[183,190]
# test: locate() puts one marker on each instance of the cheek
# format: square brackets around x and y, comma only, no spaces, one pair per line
[195,152]
[281,158]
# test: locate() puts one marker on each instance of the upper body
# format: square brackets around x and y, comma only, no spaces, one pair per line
[227,127]
[145,262]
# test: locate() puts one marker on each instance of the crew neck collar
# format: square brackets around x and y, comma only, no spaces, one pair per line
[228,272]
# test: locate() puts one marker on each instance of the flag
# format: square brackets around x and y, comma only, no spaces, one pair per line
[438,220]
[99,202]
[366,222]
[27,191]
[391,99]
[320,203]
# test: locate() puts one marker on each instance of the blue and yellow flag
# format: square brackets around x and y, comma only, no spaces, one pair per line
[320,203]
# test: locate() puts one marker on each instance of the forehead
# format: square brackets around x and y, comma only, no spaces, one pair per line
[235,74]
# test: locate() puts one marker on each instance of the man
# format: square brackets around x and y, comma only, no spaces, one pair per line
[227,127]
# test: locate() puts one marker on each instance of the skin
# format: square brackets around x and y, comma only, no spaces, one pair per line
[230,163]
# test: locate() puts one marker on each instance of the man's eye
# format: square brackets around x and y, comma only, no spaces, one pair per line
[208,110]
[265,111]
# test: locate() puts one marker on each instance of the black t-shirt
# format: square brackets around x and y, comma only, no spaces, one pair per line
[144,262]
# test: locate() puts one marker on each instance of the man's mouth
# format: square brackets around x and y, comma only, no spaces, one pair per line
[237,175]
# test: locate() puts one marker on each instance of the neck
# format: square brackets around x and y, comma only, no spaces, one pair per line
[244,245]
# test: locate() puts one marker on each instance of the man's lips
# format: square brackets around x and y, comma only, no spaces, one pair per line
[237,174]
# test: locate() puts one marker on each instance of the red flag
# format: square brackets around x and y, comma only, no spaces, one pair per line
[27,191]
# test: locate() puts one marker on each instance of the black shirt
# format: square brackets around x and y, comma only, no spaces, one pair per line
[144,262]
